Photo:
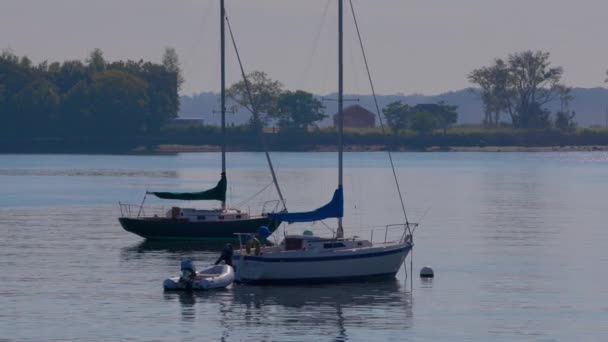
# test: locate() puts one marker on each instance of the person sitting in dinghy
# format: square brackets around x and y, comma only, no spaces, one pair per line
[227,253]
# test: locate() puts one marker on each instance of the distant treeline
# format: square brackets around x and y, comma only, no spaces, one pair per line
[88,99]
[125,106]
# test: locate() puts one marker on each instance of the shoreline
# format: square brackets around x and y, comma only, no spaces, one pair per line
[171,149]
[174,148]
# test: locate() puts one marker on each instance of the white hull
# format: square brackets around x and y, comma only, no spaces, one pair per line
[212,277]
[301,266]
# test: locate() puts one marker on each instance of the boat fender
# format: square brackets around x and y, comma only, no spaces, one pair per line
[263,232]
[427,272]
[255,243]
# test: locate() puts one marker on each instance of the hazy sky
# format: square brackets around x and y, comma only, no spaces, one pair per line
[414,46]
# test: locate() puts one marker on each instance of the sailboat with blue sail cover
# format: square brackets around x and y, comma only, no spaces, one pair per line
[219,224]
[314,259]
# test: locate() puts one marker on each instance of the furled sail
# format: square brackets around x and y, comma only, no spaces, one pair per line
[218,193]
[335,208]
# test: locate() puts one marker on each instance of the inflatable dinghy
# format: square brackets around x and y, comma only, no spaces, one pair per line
[212,277]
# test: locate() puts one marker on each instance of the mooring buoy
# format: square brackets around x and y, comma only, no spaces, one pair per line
[427,272]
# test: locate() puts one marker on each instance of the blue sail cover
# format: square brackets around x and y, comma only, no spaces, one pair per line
[335,208]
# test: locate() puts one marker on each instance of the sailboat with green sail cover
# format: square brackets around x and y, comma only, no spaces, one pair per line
[206,224]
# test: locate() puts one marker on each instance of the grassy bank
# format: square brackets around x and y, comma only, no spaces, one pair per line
[209,138]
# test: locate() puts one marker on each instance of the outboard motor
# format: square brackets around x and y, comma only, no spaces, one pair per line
[188,273]
[227,253]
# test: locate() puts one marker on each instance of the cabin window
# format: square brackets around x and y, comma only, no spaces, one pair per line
[333,245]
[220,217]
[238,216]
[293,244]
[202,218]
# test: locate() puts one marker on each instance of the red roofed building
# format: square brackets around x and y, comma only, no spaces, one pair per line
[357,117]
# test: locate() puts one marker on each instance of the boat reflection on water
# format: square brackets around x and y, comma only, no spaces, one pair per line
[285,312]
[174,250]
[426,283]
[177,246]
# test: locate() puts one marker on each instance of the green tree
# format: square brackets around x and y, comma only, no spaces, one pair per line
[564,121]
[3,103]
[14,76]
[423,122]
[265,93]
[298,110]
[70,73]
[37,106]
[77,110]
[173,66]
[2,94]
[443,115]
[119,103]
[535,83]
[495,91]
[26,62]
[564,118]
[396,114]
[537,117]
[162,90]
[73,98]
[96,61]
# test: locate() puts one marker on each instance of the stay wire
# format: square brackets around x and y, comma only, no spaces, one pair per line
[253,196]
[315,45]
[369,76]
[255,112]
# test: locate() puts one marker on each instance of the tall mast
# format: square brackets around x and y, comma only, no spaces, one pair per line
[340,232]
[223,91]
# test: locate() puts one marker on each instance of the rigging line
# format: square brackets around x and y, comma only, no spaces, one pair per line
[328,227]
[254,195]
[315,44]
[371,83]
[256,116]
[201,26]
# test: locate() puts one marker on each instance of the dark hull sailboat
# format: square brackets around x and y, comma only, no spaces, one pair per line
[190,223]
[179,229]
[201,224]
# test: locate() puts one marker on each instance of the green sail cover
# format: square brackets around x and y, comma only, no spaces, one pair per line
[218,193]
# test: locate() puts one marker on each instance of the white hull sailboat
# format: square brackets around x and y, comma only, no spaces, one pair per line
[322,260]
[312,259]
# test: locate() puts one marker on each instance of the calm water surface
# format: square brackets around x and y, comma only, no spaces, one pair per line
[518,242]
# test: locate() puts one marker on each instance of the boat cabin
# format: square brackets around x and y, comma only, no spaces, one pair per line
[309,242]
[206,215]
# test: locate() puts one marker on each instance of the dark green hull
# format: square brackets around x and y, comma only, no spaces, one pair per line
[168,229]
